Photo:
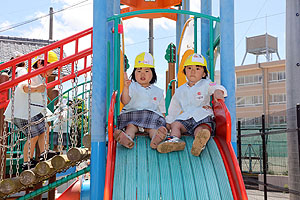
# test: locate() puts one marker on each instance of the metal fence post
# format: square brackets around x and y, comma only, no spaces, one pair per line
[239,143]
[298,130]
[263,137]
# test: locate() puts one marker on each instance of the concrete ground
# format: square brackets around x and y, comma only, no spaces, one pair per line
[259,195]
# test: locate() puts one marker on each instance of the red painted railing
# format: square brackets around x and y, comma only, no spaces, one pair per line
[111,151]
[70,59]
[223,141]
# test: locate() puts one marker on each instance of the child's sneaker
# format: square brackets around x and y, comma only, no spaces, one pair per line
[172,143]
[32,163]
[201,138]
[123,139]
[159,136]
[49,154]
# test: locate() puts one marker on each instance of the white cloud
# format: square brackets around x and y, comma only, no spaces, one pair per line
[65,23]
[128,40]
[143,24]
[195,5]
[5,24]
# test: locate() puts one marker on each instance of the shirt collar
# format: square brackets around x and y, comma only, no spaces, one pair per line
[149,87]
[187,84]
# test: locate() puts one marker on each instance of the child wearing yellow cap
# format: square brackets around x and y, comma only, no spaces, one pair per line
[189,110]
[19,114]
[144,105]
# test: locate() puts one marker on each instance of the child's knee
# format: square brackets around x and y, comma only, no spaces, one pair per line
[35,138]
[176,125]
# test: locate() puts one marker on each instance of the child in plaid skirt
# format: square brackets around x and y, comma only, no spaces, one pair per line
[190,110]
[144,105]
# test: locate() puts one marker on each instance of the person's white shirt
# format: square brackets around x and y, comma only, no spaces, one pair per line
[149,98]
[193,102]
[21,106]
[66,114]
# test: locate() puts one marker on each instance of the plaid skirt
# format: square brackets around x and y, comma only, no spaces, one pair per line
[141,118]
[55,138]
[190,124]
[35,129]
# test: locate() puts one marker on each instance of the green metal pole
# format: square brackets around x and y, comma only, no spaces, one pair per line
[195,34]
[169,96]
[82,115]
[108,80]
[116,65]
[211,50]
[118,46]
[55,184]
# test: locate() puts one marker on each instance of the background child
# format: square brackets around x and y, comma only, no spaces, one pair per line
[62,123]
[144,104]
[190,111]
[37,130]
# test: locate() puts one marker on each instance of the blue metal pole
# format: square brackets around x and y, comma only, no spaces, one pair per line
[205,9]
[227,61]
[99,98]
[110,12]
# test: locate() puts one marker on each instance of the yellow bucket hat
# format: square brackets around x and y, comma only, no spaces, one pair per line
[144,59]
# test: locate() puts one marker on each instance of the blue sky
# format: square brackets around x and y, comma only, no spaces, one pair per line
[252,18]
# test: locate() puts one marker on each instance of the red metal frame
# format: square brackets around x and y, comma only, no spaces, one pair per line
[223,141]
[111,151]
[83,54]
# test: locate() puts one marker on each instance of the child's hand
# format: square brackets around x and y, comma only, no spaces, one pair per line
[41,88]
[218,94]
[168,126]
[127,82]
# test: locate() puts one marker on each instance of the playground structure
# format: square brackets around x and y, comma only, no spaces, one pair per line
[225,168]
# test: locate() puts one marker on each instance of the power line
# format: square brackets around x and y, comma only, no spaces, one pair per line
[6,28]
[249,20]
[251,24]
[161,38]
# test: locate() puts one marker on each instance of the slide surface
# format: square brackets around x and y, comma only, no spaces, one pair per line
[142,173]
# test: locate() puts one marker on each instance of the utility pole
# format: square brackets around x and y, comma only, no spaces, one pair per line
[292,92]
[151,36]
[51,24]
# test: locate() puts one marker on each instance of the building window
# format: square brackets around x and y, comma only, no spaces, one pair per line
[277,120]
[276,76]
[277,98]
[256,121]
[249,101]
[249,80]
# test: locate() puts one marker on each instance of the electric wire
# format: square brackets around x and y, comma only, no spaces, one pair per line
[9,27]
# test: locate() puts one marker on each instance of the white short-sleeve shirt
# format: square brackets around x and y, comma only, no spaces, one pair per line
[21,99]
[193,102]
[149,98]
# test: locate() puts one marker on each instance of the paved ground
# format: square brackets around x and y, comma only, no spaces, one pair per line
[259,195]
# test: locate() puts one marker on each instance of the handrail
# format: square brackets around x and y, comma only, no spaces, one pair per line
[110,162]
[140,12]
[223,141]
[59,64]
[111,116]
